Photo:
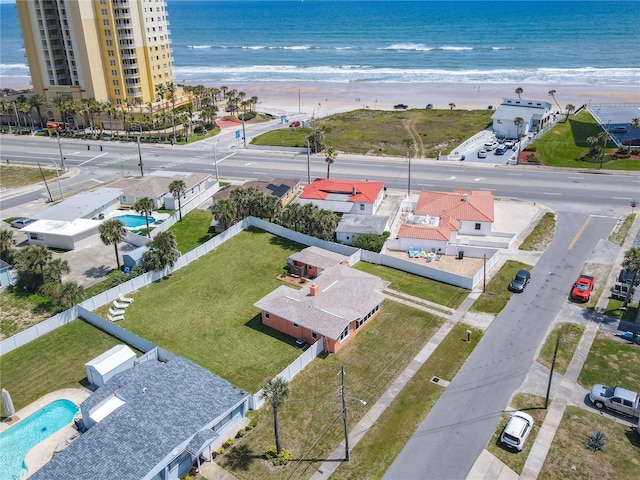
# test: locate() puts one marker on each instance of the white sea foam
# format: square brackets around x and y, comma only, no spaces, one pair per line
[297,47]
[454,49]
[256,47]
[198,46]
[407,46]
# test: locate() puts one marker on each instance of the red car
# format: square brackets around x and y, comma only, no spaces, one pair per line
[582,288]
[295,124]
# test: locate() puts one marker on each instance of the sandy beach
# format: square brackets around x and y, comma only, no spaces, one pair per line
[325,98]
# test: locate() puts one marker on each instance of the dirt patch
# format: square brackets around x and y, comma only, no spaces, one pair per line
[292,280]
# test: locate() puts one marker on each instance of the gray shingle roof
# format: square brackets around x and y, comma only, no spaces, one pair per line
[345,295]
[375,224]
[318,257]
[166,405]
[80,205]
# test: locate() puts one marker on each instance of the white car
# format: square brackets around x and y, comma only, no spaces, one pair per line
[517,430]
[22,222]
[482,153]
[491,145]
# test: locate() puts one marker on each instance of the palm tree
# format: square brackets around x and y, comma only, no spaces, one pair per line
[275,392]
[144,206]
[171,88]
[452,106]
[70,293]
[32,262]
[6,244]
[552,94]
[635,123]
[112,232]
[177,188]
[518,122]
[570,108]
[604,136]
[36,101]
[162,252]
[331,157]
[55,269]
[519,91]
[224,211]
[245,199]
[592,141]
[632,262]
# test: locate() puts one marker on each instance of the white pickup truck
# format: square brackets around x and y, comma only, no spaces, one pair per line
[616,398]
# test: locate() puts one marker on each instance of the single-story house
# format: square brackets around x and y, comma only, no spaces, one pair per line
[344,196]
[534,113]
[439,217]
[73,223]
[285,189]
[151,422]
[351,226]
[312,261]
[156,187]
[331,309]
[8,276]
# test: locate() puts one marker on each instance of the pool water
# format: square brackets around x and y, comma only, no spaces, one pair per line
[16,441]
[135,221]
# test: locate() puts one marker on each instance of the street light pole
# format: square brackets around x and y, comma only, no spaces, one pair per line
[58,175]
[409,176]
[308,162]
[140,158]
[215,159]
[60,149]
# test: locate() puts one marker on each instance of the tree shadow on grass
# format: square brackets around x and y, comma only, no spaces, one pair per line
[240,457]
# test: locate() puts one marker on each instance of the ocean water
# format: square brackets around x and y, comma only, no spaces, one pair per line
[508,41]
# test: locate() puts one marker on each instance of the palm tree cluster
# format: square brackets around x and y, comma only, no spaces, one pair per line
[22,108]
[249,201]
[39,272]
[163,252]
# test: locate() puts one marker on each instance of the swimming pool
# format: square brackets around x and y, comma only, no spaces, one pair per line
[16,441]
[135,221]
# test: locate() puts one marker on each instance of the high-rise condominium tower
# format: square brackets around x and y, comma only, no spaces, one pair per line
[113,51]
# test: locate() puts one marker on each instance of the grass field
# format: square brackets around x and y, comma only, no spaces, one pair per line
[16,177]
[613,362]
[19,312]
[570,335]
[376,132]
[566,143]
[194,230]
[570,459]
[52,362]
[496,295]
[371,361]
[420,287]
[541,235]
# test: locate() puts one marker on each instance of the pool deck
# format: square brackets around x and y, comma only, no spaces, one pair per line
[42,452]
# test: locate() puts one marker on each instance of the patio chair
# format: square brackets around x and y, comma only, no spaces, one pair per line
[124,299]
[420,252]
[116,311]
[116,318]
[412,252]
[119,305]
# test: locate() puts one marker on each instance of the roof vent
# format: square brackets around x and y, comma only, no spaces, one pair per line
[465,197]
[314,290]
[354,190]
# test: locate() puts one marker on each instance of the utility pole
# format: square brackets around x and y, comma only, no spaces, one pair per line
[244,137]
[409,176]
[344,416]
[215,159]
[308,162]
[45,183]
[553,364]
[58,175]
[140,157]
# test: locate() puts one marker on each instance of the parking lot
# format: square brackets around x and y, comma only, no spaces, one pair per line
[616,119]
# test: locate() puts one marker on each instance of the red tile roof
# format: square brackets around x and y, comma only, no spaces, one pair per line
[424,232]
[365,192]
[478,205]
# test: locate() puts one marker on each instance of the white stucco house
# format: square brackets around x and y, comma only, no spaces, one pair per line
[343,196]
[534,113]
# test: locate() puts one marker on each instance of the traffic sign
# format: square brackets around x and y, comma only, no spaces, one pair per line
[237,133]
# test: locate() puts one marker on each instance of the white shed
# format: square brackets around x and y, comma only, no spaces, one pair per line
[110,363]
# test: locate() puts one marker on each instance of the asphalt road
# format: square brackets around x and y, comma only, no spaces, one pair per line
[461,423]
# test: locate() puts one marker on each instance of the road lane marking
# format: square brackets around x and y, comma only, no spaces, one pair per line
[575,178]
[92,159]
[514,174]
[549,193]
[450,178]
[478,179]
[580,232]
[621,198]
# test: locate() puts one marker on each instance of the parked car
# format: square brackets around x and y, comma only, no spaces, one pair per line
[400,106]
[509,143]
[615,398]
[517,430]
[490,145]
[295,124]
[582,288]
[429,106]
[482,153]
[500,150]
[627,276]
[520,281]
[22,222]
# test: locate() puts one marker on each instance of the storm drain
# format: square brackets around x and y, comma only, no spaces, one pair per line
[440,381]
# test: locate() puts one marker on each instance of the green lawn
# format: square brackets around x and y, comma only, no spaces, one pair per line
[52,362]
[614,309]
[496,295]
[420,287]
[194,230]
[372,360]
[14,176]
[566,143]
[284,137]
[541,235]
[19,312]
[534,406]
[569,458]
[570,335]
[612,362]
[205,311]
